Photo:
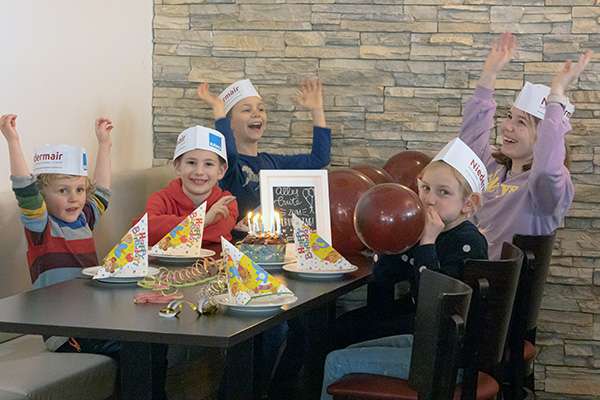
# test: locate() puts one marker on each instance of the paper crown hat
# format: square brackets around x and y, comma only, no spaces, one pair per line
[236,92]
[532,100]
[185,239]
[200,137]
[60,159]
[313,252]
[245,278]
[460,156]
[129,257]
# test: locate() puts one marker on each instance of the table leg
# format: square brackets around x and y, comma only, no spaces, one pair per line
[143,369]
[238,378]
[136,371]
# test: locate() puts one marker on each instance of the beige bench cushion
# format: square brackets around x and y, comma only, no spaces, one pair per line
[29,370]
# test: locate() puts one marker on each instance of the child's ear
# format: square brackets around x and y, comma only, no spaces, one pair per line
[222,170]
[177,165]
[471,204]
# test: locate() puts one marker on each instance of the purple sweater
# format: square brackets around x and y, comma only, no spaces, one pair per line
[533,202]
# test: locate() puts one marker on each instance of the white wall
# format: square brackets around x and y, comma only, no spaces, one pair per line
[65,62]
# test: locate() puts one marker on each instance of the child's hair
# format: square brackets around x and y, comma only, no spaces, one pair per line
[221,159]
[464,185]
[503,159]
[44,180]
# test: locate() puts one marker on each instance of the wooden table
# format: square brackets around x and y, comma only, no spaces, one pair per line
[83,308]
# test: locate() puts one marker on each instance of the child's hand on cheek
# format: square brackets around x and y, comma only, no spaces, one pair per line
[8,126]
[214,101]
[433,226]
[218,210]
[104,127]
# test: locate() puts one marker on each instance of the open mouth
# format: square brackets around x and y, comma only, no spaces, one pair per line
[199,182]
[72,209]
[508,140]
[255,125]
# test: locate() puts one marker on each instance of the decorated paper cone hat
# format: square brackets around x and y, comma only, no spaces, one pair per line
[60,159]
[236,92]
[185,240]
[200,137]
[130,256]
[532,100]
[313,252]
[246,279]
[465,161]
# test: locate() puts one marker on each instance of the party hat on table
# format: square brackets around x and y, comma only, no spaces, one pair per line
[313,252]
[246,279]
[129,257]
[185,239]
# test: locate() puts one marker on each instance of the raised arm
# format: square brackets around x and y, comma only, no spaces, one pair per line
[102,173]
[222,124]
[549,181]
[478,115]
[18,165]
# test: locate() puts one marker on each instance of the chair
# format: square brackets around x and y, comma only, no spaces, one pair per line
[495,285]
[489,320]
[439,328]
[521,339]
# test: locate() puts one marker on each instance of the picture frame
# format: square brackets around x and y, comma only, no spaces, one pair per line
[303,192]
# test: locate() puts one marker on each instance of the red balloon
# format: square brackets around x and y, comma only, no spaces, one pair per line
[377,175]
[345,188]
[389,218]
[406,166]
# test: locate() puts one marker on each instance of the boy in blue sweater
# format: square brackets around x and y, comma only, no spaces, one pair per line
[240,115]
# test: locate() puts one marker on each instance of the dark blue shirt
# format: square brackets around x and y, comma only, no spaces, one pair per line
[241,178]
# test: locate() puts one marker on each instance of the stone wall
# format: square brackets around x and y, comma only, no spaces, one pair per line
[397,74]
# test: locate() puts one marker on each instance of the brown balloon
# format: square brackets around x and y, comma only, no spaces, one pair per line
[389,218]
[377,175]
[345,188]
[405,167]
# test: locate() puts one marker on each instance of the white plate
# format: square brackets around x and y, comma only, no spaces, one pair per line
[91,272]
[318,274]
[264,304]
[169,259]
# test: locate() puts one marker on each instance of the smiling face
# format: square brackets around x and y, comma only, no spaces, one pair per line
[199,170]
[440,188]
[249,119]
[65,196]
[518,135]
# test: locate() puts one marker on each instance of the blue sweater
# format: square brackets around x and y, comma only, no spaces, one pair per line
[241,178]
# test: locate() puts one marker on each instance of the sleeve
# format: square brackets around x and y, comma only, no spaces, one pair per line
[96,205]
[223,125]
[223,226]
[34,214]
[159,223]
[549,183]
[478,121]
[319,157]
[426,256]
[468,244]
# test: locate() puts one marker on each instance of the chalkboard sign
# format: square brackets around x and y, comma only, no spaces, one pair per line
[301,192]
[299,200]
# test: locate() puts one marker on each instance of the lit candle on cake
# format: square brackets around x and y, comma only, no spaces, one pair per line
[277,223]
[249,217]
[255,223]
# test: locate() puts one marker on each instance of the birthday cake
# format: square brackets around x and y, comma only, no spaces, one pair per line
[266,248]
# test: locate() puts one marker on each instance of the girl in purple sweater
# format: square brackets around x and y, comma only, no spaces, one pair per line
[530,188]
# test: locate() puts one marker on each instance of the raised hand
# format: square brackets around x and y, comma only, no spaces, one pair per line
[8,126]
[433,226]
[501,52]
[310,94]
[569,73]
[218,210]
[104,127]
[214,101]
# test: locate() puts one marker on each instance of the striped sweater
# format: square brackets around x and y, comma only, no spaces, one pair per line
[57,250]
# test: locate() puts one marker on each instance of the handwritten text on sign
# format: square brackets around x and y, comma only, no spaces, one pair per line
[299,200]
